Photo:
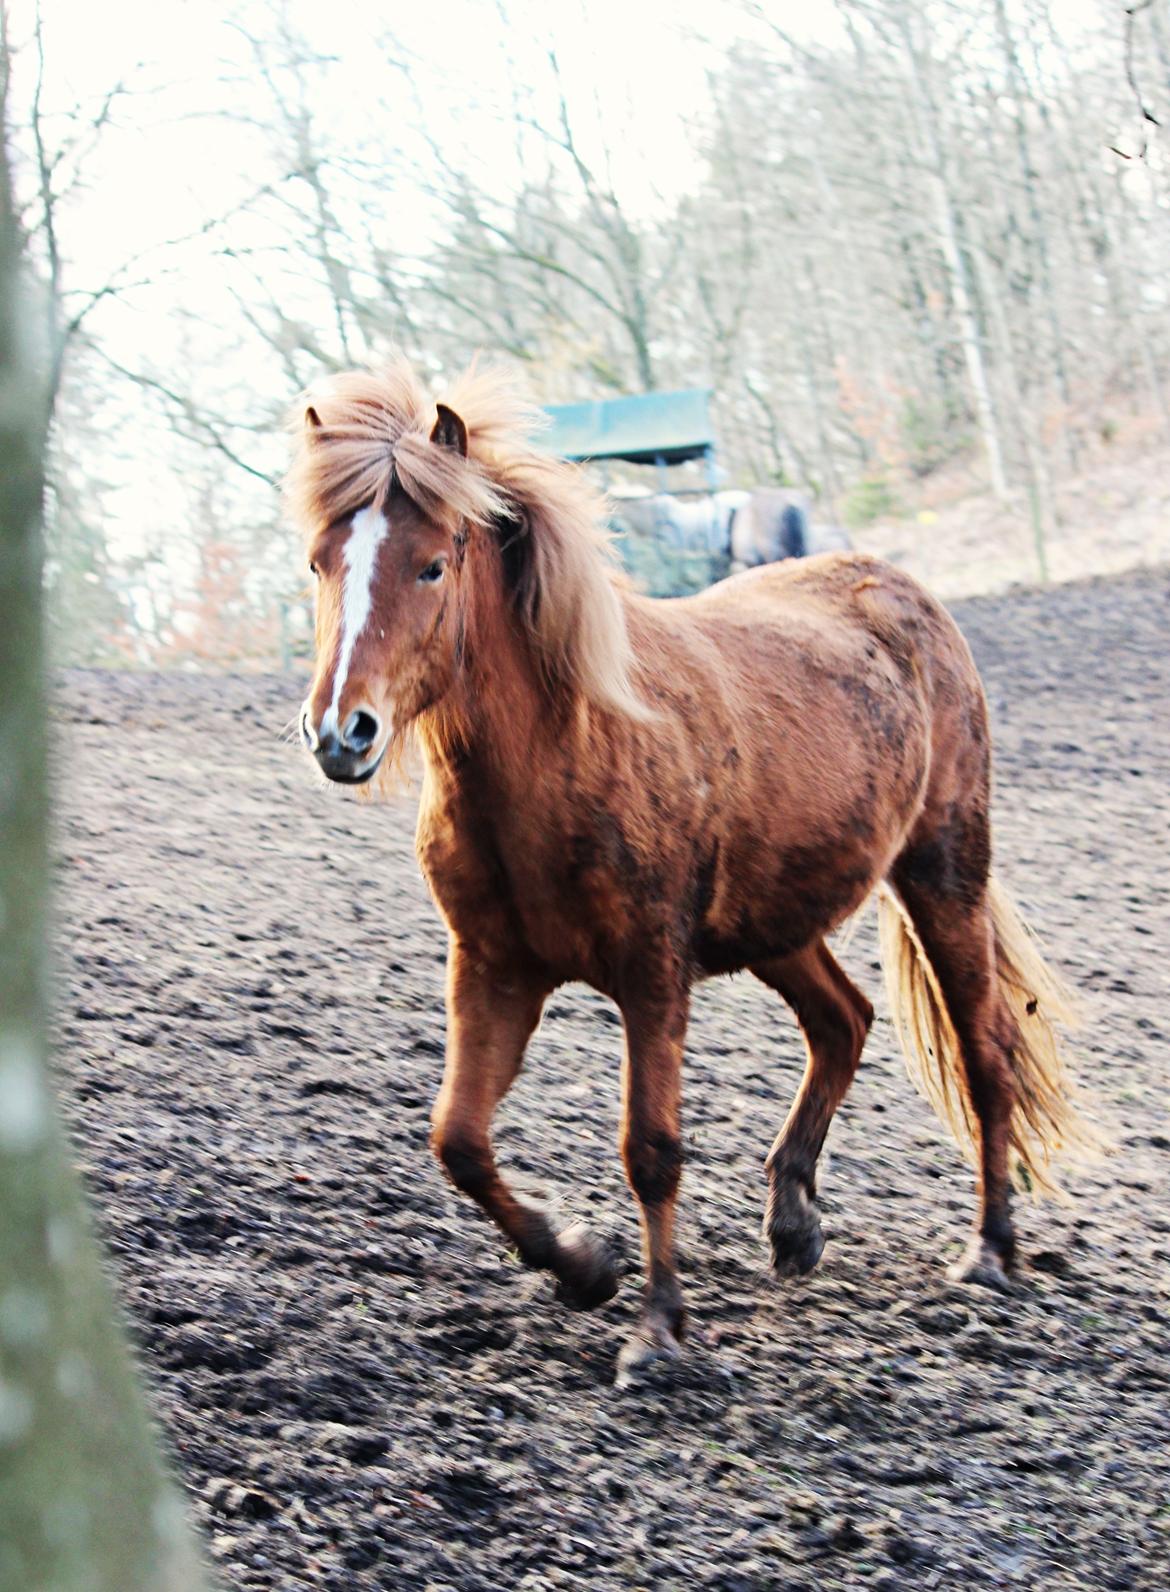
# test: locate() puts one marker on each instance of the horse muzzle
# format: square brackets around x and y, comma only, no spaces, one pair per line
[347,756]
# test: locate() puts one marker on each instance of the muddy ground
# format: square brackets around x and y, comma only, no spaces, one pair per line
[361,1387]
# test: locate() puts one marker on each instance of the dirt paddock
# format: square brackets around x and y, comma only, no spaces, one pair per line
[360,1386]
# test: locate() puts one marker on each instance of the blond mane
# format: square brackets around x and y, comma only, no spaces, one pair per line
[355,430]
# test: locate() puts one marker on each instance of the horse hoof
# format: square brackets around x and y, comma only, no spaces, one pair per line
[651,1341]
[792,1226]
[982,1265]
[586,1274]
[796,1246]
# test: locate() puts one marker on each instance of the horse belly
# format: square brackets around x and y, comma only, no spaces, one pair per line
[813,837]
[812,890]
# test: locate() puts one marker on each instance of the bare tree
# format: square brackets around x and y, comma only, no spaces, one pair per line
[84,1503]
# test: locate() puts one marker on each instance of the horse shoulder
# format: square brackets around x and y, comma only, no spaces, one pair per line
[463,871]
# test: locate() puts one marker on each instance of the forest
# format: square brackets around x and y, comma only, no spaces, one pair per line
[916,249]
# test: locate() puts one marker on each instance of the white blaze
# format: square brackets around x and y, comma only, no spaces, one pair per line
[366,535]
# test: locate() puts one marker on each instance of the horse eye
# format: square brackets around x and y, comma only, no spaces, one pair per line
[433,571]
[313,570]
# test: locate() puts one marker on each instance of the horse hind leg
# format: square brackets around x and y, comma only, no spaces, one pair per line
[836,1018]
[943,884]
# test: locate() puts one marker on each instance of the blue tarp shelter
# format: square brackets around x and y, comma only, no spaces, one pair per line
[652,428]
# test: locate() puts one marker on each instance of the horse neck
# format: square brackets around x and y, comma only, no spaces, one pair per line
[500,715]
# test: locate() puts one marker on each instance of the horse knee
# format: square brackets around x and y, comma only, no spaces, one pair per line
[465,1157]
[653,1165]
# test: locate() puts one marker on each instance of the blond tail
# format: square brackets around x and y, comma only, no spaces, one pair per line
[1045,1123]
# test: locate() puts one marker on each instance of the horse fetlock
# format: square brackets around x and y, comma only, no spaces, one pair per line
[585,1270]
[983,1265]
[790,1162]
[792,1228]
[466,1160]
[666,1306]
[651,1340]
[996,1230]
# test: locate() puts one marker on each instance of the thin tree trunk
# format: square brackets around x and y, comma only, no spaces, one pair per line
[1042,505]
[948,237]
[1037,241]
[84,1502]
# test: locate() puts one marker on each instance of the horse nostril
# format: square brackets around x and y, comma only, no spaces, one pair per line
[360,732]
[307,733]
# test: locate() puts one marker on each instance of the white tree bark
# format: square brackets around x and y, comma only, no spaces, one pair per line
[941,186]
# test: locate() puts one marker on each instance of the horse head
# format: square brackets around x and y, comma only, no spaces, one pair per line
[387,629]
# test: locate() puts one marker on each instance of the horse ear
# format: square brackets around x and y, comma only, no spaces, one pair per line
[449,431]
[312,419]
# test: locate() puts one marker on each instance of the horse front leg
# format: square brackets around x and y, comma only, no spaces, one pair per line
[655,1025]
[491,1015]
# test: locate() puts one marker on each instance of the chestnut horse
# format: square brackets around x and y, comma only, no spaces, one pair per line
[641,793]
